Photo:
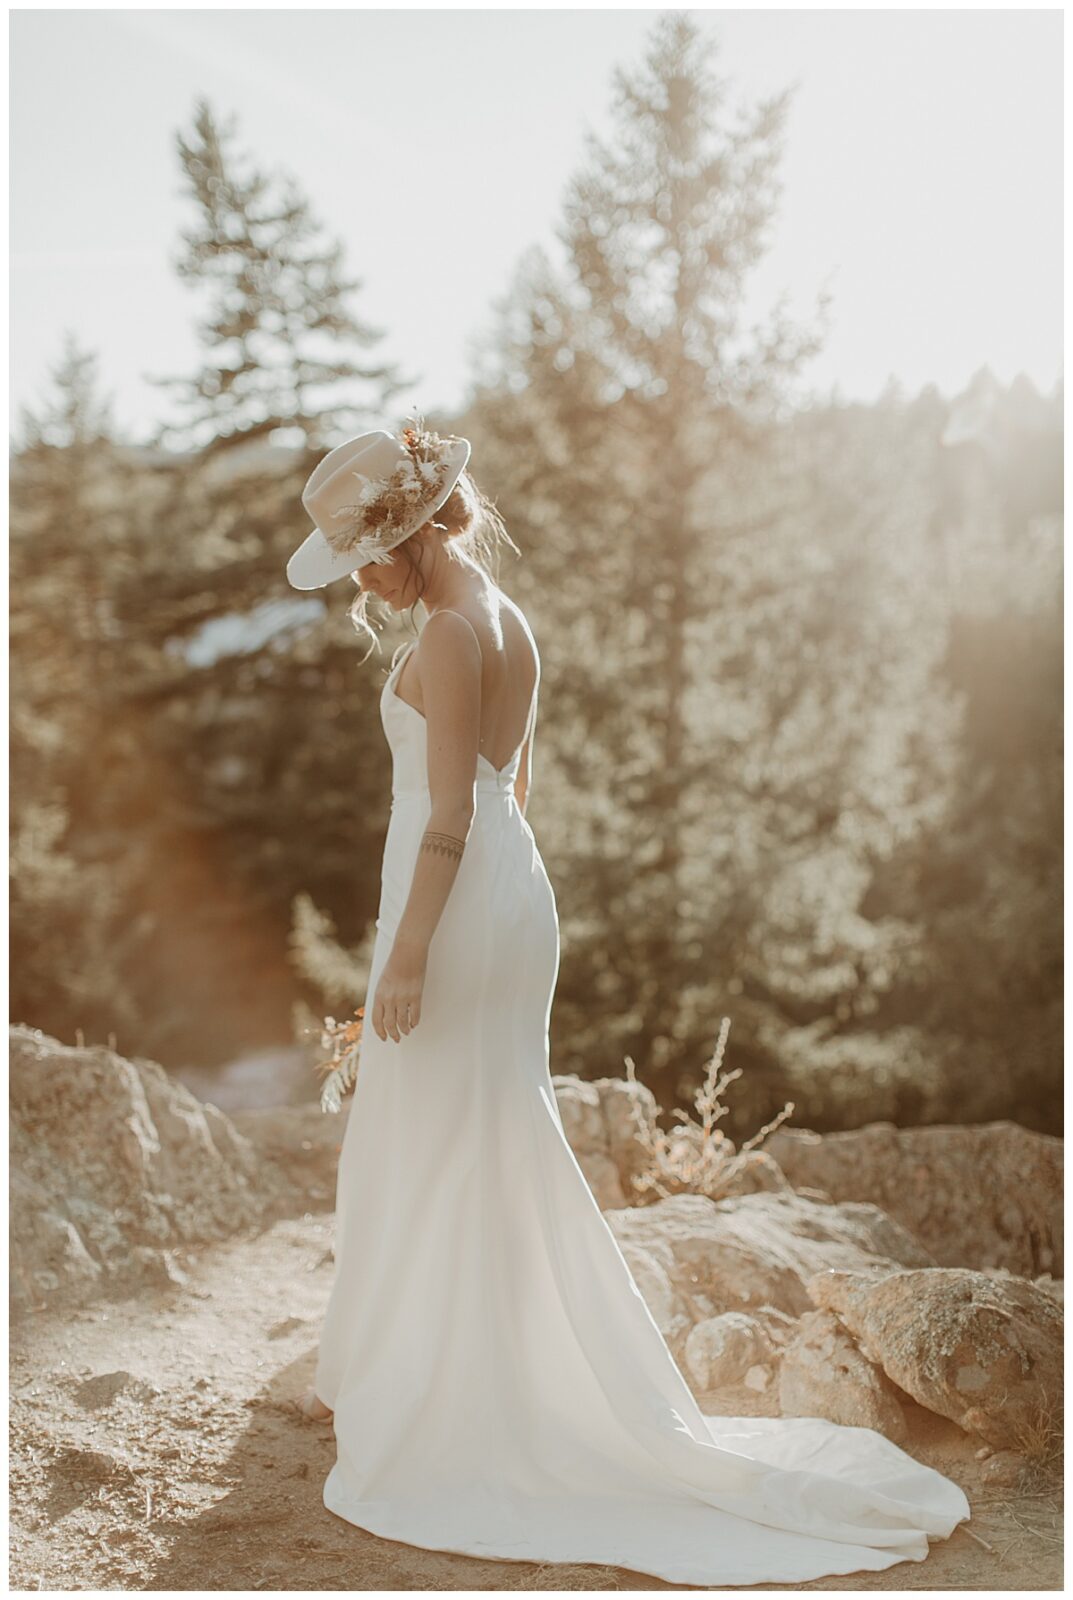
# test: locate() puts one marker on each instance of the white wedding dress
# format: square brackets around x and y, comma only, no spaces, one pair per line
[500,1387]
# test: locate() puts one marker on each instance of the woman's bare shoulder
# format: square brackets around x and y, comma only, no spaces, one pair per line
[448,635]
[523,621]
[478,620]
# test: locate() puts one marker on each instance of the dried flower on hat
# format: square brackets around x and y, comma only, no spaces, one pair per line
[387,508]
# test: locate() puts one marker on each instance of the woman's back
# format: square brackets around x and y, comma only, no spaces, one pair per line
[510,676]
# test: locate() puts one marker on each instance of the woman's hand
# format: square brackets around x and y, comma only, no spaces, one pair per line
[397,1002]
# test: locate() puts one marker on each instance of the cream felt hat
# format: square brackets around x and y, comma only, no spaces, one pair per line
[369,494]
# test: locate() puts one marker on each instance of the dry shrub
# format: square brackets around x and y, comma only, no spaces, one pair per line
[696,1158]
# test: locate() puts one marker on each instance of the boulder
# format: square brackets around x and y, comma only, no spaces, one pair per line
[983,1349]
[731,1349]
[673,1313]
[823,1374]
[114,1167]
[984,1196]
[699,1258]
[598,1120]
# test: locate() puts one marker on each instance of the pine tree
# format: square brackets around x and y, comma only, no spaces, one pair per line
[278,326]
[68,477]
[72,923]
[246,791]
[639,404]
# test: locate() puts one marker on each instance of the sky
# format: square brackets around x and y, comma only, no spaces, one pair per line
[921,177]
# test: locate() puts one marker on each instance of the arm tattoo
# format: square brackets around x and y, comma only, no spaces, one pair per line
[442,844]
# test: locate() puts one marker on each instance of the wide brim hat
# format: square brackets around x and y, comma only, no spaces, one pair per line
[369,494]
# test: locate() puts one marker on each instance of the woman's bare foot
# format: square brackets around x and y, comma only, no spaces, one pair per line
[310,1407]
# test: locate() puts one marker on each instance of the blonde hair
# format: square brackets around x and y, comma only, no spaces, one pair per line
[472,525]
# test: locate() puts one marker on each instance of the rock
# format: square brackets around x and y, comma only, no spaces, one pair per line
[778,1326]
[158,1267]
[755,1253]
[984,1196]
[600,1127]
[46,1247]
[114,1167]
[984,1350]
[671,1312]
[1004,1469]
[602,1177]
[757,1173]
[621,1103]
[721,1351]
[580,1114]
[823,1374]
[101,1392]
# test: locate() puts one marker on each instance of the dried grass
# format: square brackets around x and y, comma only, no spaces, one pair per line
[696,1158]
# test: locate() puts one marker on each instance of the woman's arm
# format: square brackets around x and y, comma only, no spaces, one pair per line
[448,658]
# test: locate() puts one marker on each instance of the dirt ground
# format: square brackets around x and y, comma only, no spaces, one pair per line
[152,1447]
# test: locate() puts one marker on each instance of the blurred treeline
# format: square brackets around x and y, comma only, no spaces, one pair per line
[799,753]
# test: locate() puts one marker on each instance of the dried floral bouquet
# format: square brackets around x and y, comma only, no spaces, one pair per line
[343,1042]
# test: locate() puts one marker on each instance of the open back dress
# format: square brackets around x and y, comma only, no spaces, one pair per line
[500,1387]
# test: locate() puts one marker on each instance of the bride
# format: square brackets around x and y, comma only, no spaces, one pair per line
[496,1382]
